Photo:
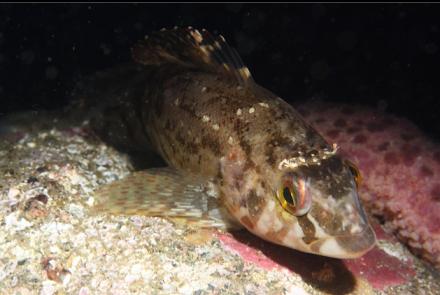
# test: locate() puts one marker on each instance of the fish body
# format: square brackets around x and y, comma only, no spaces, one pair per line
[195,103]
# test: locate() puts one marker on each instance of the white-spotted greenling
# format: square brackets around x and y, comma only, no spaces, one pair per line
[235,151]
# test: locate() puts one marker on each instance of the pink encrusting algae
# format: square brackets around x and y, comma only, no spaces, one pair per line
[377,267]
[400,169]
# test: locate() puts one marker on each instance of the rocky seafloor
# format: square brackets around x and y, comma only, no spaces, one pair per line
[51,244]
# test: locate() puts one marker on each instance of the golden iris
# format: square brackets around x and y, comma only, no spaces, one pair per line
[355,172]
[294,195]
[288,198]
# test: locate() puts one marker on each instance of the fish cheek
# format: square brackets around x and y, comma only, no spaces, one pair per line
[232,175]
[330,223]
[255,203]
[308,229]
[247,222]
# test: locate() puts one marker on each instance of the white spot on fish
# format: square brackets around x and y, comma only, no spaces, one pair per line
[264,105]
[212,190]
[331,247]
[176,102]
[349,208]
[239,112]
[196,35]
[319,232]
[251,110]
[204,89]
[217,45]
[205,118]
[287,163]
[355,229]
[230,140]
[277,224]
[215,127]
[166,194]
[298,230]
[292,239]
[203,48]
[266,219]
[244,72]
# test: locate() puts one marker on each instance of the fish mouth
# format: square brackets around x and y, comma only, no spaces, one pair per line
[346,246]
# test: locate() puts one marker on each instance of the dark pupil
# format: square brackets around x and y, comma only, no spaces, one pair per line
[353,171]
[288,196]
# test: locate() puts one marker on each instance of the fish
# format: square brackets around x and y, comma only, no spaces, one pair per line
[400,165]
[235,154]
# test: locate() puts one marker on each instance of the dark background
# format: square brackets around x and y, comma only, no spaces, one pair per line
[382,55]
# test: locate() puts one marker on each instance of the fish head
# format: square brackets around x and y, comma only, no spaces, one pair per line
[322,199]
[308,205]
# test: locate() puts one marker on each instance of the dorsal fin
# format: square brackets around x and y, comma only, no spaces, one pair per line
[190,48]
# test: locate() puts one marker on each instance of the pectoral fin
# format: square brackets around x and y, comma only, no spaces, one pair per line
[165,192]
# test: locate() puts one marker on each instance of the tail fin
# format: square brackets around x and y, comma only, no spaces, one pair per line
[193,49]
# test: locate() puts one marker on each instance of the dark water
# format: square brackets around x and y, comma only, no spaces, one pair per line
[373,54]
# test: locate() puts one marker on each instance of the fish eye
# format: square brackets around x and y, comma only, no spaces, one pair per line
[355,172]
[294,197]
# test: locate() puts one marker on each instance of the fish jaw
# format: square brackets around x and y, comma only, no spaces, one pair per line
[347,247]
[343,246]
[332,228]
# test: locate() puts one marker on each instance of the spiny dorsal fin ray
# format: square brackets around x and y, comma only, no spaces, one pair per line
[190,48]
[164,192]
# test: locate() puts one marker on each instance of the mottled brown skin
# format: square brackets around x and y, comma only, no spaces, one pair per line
[245,139]
[178,130]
